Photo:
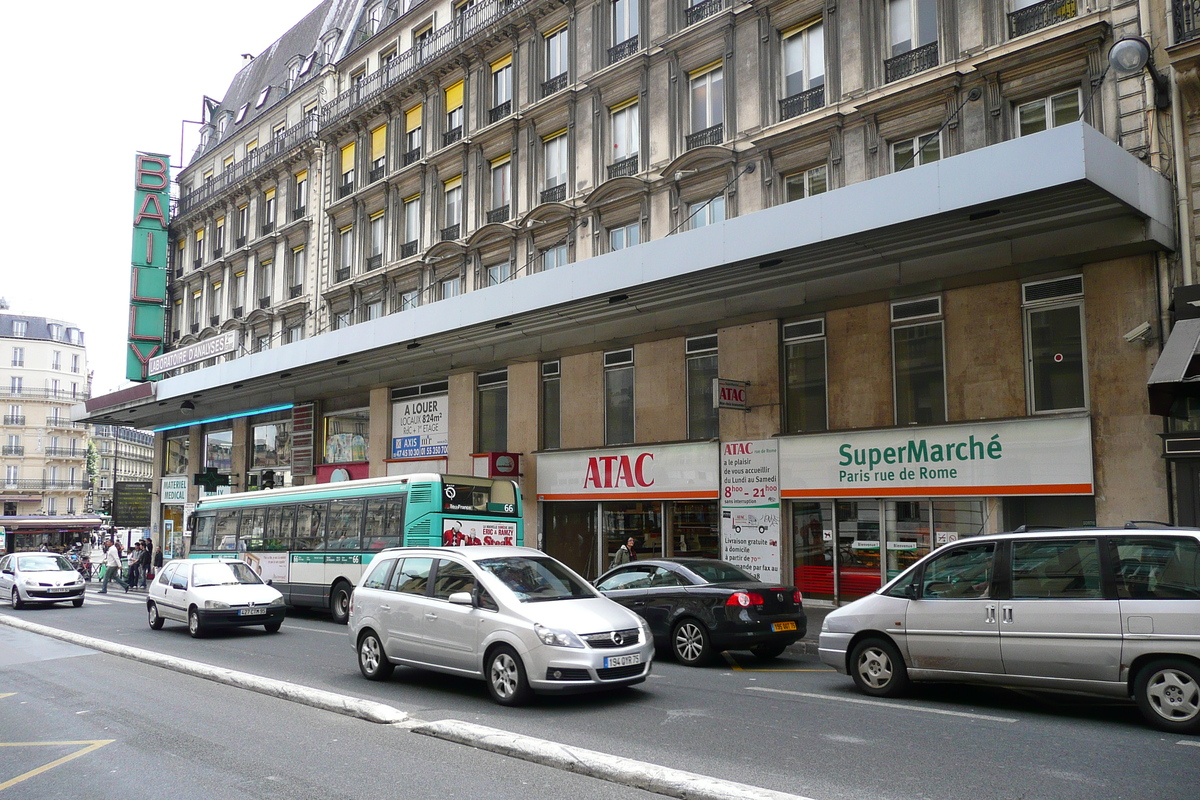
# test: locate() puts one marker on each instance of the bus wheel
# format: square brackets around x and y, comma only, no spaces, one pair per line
[339,603]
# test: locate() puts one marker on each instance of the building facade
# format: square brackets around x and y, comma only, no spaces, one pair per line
[43,373]
[122,454]
[931,243]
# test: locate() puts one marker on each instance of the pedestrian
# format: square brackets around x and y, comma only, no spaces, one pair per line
[158,560]
[135,565]
[625,553]
[112,568]
[144,562]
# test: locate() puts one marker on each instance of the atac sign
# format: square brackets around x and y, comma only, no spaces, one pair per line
[618,472]
[731,394]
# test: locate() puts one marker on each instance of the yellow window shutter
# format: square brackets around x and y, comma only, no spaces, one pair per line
[378,142]
[301,175]
[453,183]
[270,194]
[348,157]
[454,96]
[502,63]
[412,119]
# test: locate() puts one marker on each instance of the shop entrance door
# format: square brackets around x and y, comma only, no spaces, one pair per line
[858,543]
[813,549]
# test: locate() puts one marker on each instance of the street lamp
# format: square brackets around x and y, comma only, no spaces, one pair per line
[1130,56]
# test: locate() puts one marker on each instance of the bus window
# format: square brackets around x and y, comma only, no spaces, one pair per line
[376,524]
[250,531]
[344,528]
[479,496]
[203,537]
[395,522]
[310,526]
[225,536]
[280,522]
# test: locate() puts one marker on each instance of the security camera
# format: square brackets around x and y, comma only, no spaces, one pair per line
[1139,333]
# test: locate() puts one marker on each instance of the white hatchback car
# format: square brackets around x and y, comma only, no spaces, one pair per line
[212,593]
[511,616]
[39,578]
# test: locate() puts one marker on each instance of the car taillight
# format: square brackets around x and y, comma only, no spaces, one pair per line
[744,599]
[798,597]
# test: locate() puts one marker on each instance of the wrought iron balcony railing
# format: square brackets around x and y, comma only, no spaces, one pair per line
[66,452]
[217,251]
[713,135]
[197,263]
[916,60]
[264,302]
[802,103]
[14,419]
[499,112]
[451,136]
[698,12]
[237,312]
[42,483]
[376,174]
[295,291]
[623,50]
[555,194]
[409,249]
[1041,15]
[374,262]
[342,274]
[345,189]
[498,214]
[239,242]
[555,84]
[214,320]
[12,450]
[62,422]
[412,156]
[195,327]
[1187,20]
[42,394]
[623,168]
[299,212]
[450,232]
[267,228]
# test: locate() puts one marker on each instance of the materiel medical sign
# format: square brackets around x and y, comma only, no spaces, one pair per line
[148,279]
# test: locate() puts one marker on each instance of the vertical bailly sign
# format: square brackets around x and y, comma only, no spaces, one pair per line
[750,521]
[148,279]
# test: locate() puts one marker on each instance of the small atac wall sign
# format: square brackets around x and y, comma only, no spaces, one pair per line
[731,394]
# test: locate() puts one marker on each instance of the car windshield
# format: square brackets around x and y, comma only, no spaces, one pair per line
[718,572]
[43,564]
[222,573]
[534,580]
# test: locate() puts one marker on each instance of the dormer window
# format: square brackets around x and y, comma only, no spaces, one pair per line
[328,46]
[262,97]
[241,115]
[223,123]
[293,72]
[308,62]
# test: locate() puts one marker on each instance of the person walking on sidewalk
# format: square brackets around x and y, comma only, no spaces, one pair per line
[135,564]
[144,562]
[112,568]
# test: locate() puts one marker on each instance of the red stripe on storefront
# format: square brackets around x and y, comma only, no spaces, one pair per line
[943,491]
[706,495]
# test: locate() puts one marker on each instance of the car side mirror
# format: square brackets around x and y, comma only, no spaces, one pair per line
[462,599]
[910,591]
[7,571]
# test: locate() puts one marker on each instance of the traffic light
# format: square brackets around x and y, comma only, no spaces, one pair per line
[268,479]
[106,508]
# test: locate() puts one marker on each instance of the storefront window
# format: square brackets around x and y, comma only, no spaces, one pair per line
[346,436]
[920,377]
[218,450]
[812,549]
[695,530]
[493,411]
[858,543]
[176,456]
[1056,363]
[570,536]
[805,400]
[907,534]
[622,520]
[958,519]
[273,444]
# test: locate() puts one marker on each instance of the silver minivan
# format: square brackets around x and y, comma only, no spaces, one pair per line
[511,616]
[1102,612]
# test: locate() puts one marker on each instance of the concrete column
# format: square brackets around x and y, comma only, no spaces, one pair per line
[195,460]
[462,423]
[524,429]
[751,353]
[582,400]
[379,447]
[858,360]
[660,391]
[243,446]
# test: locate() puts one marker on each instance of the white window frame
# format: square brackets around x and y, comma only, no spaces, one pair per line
[806,179]
[706,212]
[622,232]
[1048,111]
[626,132]
[915,143]
[713,107]
[555,161]
[808,46]
[624,21]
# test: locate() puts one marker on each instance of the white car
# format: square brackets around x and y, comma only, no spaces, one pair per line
[39,578]
[212,593]
[511,616]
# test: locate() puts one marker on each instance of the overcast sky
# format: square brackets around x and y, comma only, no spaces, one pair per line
[92,84]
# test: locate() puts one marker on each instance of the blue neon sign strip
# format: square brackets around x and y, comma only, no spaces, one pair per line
[206,420]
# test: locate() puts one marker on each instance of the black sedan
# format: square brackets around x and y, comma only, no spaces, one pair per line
[702,606]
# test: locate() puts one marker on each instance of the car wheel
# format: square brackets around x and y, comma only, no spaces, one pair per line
[506,677]
[273,627]
[372,661]
[768,651]
[1168,695]
[194,627]
[878,669]
[339,603]
[77,602]
[690,643]
[155,619]
[17,602]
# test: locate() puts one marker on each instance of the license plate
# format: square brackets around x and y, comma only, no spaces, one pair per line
[783,626]
[249,612]
[59,589]
[622,661]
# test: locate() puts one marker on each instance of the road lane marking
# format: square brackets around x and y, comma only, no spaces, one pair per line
[1188,743]
[893,706]
[737,667]
[6,694]
[90,745]
[120,599]
[290,626]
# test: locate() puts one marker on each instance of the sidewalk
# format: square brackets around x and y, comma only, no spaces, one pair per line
[807,647]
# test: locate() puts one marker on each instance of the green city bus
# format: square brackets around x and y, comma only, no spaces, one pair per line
[313,542]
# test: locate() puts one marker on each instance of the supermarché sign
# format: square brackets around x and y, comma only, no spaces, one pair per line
[1037,456]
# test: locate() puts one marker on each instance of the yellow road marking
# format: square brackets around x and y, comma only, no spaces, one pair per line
[739,668]
[93,744]
[7,694]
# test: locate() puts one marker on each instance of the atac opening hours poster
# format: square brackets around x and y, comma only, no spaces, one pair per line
[750,521]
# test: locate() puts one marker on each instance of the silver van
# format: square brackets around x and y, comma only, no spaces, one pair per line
[1102,612]
[511,616]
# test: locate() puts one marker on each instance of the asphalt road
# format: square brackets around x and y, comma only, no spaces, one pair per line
[788,725]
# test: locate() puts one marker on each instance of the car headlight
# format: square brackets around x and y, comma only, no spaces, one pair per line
[557,638]
[215,604]
[824,626]
[29,581]
[278,601]
[645,627]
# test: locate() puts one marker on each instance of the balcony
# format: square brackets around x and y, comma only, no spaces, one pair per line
[177,272]
[267,228]
[14,419]
[500,112]
[555,84]
[42,394]
[623,168]
[451,136]
[412,156]
[12,450]
[239,242]
[698,12]
[40,483]
[910,63]
[237,312]
[376,174]
[345,189]
[264,302]
[1047,13]
[802,103]
[197,263]
[623,50]
[214,320]
[450,233]
[555,194]
[342,274]
[65,452]
[708,136]
[195,327]
[374,262]
[499,214]
[295,291]
[218,252]
[299,212]
[409,249]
